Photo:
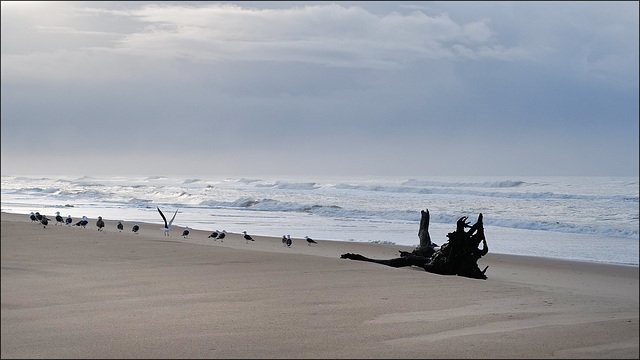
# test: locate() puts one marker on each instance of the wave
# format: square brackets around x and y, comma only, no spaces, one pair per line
[75,193]
[490,189]
[247,181]
[157,177]
[488,184]
[335,211]
[563,227]
[608,212]
[290,186]
[140,203]
[461,191]
[25,179]
[49,190]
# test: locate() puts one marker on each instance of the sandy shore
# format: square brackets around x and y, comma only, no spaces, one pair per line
[69,292]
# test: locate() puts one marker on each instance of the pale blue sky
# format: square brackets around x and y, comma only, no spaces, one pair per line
[321,88]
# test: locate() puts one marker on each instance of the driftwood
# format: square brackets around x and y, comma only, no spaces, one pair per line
[458,256]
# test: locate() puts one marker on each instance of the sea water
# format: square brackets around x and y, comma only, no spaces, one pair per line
[576,218]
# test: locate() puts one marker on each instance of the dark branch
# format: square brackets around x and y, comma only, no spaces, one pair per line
[458,256]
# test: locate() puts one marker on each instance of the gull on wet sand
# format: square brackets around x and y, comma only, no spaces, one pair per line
[59,218]
[135,228]
[69,220]
[100,223]
[222,235]
[310,240]
[83,222]
[44,221]
[167,225]
[185,233]
[247,237]
[120,226]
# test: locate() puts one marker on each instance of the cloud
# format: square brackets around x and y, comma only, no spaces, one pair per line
[366,87]
[324,35]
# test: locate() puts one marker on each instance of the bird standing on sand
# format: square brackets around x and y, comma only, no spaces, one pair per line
[214,235]
[284,240]
[69,220]
[185,233]
[222,235]
[44,221]
[310,240]
[247,237]
[135,228]
[167,225]
[38,216]
[120,226]
[289,241]
[59,218]
[32,216]
[100,223]
[83,222]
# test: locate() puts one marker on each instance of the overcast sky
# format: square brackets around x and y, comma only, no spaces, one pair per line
[320,88]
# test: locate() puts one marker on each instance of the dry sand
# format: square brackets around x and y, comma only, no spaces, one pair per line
[69,292]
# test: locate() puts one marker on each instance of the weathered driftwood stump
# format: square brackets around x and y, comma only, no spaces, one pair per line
[458,256]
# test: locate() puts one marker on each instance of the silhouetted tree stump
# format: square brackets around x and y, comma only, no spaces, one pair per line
[458,256]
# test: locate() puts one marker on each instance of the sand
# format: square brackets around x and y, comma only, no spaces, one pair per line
[69,292]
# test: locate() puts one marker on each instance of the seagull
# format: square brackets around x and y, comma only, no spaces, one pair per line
[247,237]
[185,233]
[284,240]
[222,235]
[59,218]
[289,240]
[167,226]
[69,220]
[38,216]
[310,240]
[214,235]
[83,222]
[100,223]
[135,228]
[120,226]
[32,216]
[44,221]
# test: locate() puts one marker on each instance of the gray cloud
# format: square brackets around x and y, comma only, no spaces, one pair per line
[297,87]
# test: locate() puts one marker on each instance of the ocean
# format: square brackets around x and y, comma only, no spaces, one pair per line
[593,219]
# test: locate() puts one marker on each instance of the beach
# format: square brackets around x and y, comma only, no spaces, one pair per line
[72,292]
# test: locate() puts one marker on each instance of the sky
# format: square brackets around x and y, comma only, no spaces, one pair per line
[341,88]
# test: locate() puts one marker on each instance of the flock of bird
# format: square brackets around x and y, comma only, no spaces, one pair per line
[100,224]
[286,240]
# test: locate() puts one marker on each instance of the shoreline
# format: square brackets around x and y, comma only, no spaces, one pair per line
[81,293]
[200,237]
